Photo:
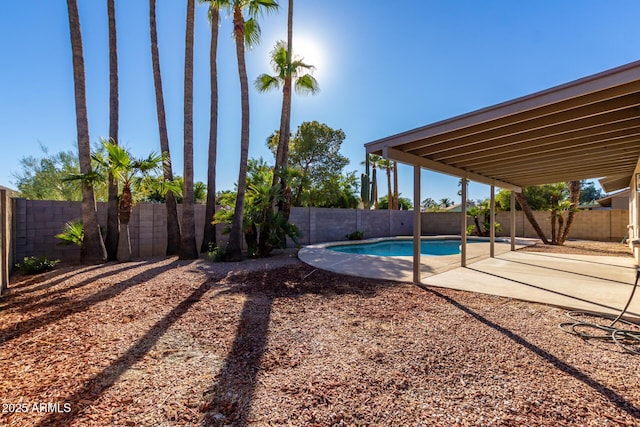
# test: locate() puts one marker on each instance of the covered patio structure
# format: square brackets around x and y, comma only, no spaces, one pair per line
[585,129]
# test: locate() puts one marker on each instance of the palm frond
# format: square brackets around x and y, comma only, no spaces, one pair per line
[265,83]
[306,84]
[251,33]
[260,7]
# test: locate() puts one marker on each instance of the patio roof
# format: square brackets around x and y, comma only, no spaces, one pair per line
[585,129]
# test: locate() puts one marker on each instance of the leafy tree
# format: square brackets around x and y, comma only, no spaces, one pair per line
[92,249]
[430,204]
[42,178]
[173,227]
[404,203]
[589,193]
[316,164]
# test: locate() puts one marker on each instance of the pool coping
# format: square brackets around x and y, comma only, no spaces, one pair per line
[399,268]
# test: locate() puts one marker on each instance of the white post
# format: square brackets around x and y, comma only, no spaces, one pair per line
[417,226]
[512,210]
[463,225]
[492,223]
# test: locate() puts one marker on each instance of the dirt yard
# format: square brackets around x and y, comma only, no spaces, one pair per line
[276,343]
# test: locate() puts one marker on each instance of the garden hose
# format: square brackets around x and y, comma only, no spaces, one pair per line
[602,326]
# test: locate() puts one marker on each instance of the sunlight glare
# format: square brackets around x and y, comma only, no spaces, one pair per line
[310,51]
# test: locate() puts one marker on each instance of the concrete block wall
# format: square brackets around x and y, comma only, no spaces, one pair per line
[35,223]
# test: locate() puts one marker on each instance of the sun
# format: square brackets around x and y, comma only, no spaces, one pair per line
[310,51]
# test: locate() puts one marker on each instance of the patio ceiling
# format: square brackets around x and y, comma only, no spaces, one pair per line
[585,129]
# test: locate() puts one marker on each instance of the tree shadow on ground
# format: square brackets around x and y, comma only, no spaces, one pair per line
[68,307]
[97,385]
[229,400]
[606,392]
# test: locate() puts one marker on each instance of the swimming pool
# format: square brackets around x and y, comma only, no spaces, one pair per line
[430,247]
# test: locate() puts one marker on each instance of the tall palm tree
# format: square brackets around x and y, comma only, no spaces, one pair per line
[388,165]
[92,249]
[244,32]
[395,186]
[188,248]
[288,70]
[375,162]
[210,209]
[112,199]
[173,227]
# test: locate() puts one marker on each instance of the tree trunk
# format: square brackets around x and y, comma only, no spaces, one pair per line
[574,198]
[188,248]
[124,244]
[389,193]
[234,251]
[210,209]
[92,249]
[527,211]
[554,216]
[173,227]
[375,187]
[112,199]
[395,185]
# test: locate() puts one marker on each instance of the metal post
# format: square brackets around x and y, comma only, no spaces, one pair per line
[417,226]
[512,210]
[463,225]
[492,223]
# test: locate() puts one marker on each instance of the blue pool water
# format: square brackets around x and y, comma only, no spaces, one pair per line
[402,248]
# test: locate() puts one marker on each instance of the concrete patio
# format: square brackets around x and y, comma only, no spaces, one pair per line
[581,282]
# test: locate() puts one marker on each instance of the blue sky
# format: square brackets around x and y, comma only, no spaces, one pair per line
[383,68]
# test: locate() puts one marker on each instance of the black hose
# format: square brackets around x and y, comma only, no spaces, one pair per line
[626,336]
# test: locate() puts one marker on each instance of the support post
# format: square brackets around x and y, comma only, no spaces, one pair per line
[492,223]
[463,224]
[512,211]
[417,226]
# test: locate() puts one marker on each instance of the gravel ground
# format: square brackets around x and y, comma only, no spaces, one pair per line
[274,342]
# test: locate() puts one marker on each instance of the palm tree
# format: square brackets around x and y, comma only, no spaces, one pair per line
[188,248]
[93,249]
[445,202]
[529,214]
[210,209]
[173,227]
[395,186]
[112,199]
[574,199]
[388,165]
[244,32]
[126,171]
[375,161]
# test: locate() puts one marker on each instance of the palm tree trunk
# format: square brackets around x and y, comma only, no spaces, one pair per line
[112,199]
[532,220]
[574,198]
[92,249]
[389,193]
[173,227]
[234,248]
[188,249]
[395,185]
[210,209]
[124,214]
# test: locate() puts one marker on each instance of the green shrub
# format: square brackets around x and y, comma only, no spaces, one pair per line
[72,233]
[216,253]
[35,265]
[356,235]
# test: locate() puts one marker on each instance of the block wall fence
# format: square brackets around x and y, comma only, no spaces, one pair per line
[33,225]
